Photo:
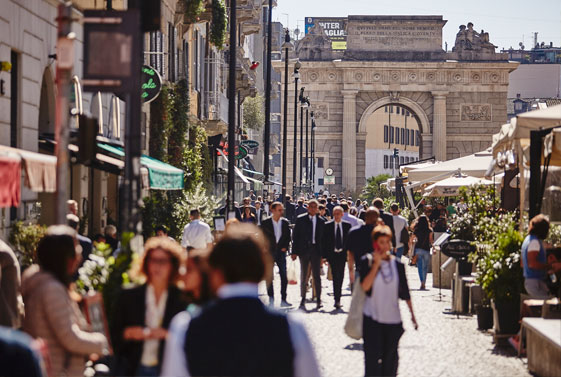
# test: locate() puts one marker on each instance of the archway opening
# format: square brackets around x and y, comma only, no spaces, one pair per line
[393,138]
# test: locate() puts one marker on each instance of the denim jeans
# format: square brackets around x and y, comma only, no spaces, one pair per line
[423,260]
[145,371]
[399,253]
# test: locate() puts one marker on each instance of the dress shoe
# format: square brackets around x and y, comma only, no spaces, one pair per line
[285,303]
[302,304]
[337,305]
[271,301]
[319,305]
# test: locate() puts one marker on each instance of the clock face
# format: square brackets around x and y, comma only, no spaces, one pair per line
[329,171]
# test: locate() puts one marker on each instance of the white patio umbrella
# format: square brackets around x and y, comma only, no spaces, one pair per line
[451,186]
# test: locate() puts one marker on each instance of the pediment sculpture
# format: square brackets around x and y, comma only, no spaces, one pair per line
[467,39]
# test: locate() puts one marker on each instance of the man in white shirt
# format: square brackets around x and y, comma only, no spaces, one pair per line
[399,222]
[196,234]
[353,220]
[259,213]
[266,342]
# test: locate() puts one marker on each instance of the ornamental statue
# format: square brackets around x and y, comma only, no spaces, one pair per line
[468,39]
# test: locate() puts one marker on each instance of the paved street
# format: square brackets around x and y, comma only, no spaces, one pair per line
[444,345]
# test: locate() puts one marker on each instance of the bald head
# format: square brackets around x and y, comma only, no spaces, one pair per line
[372,215]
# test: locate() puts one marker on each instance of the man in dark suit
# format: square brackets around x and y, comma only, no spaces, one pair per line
[290,208]
[307,239]
[260,214]
[336,233]
[277,231]
[300,209]
[386,217]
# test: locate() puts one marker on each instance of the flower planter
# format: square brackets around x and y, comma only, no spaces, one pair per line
[506,316]
[484,316]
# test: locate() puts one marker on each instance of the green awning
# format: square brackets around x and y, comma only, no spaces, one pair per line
[162,176]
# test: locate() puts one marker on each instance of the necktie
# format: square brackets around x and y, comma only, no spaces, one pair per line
[338,238]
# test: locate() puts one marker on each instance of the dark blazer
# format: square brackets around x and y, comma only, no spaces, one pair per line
[329,238]
[387,218]
[269,230]
[302,234]
[222,211]
[290,208]
[130,310]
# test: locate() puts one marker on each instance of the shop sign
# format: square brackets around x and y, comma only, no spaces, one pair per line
[151,84]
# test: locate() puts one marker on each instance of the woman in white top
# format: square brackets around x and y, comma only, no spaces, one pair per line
[384,281]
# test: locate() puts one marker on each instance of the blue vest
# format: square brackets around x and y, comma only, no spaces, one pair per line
[530,273]
[239,337]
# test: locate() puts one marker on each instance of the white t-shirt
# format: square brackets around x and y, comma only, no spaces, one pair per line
[399,223]
[383,304]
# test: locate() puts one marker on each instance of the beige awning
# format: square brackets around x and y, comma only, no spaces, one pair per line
[474,165]
[40,169]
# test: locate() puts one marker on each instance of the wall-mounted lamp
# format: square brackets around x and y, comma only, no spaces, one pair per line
[5,66]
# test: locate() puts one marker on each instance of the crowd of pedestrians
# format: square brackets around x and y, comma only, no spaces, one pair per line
[197,301]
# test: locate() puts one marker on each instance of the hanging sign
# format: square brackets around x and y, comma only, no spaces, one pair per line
[242,152]
[329,180]
[151,84]
[250,144]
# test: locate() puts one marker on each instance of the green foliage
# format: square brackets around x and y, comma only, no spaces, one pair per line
[498,270]
[554,236]
[25,237]
[372,190]
[253,115]
[197,161]
[160,209]
[161,123]
[477,221]
[196,198]
[93,274]
[193,9]
[219,24]
[177,142]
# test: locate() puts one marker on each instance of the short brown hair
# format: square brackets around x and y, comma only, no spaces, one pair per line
[172,248]
[539,226]
[242,255]
[381,231]
[378,203]
[275,205]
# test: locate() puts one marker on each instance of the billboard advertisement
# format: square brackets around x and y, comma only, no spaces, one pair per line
[335,28]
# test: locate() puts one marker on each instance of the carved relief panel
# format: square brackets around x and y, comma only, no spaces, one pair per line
[476,113]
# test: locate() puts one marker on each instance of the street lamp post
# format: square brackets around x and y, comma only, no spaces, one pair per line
[307,160]
[286,46]
[297,66]
[267,133]
[313,151]
[231,110]
[302,104]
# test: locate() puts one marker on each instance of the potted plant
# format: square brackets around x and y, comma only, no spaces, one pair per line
[500,275]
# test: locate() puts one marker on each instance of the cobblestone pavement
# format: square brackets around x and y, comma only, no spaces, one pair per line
[444,345]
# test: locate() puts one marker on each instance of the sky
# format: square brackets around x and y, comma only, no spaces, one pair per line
[508,22]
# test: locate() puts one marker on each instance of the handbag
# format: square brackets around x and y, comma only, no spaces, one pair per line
[291,274]
[404,239]
[353,324]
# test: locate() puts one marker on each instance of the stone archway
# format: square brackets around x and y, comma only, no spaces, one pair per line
[420,114]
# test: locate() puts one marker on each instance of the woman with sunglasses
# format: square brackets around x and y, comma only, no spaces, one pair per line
[143,314]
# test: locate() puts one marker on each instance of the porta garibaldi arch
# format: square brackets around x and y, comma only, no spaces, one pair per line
[458,97]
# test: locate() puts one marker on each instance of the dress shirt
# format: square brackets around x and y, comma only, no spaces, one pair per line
[154,318]
[258,214]
[351,219]
[277,227]
[196,235]
[314,222]
[175,361]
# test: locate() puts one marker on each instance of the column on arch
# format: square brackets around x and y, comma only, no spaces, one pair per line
[349,139]
[439,126]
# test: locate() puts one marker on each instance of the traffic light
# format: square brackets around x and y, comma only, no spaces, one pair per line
[396,152]
[87,142]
